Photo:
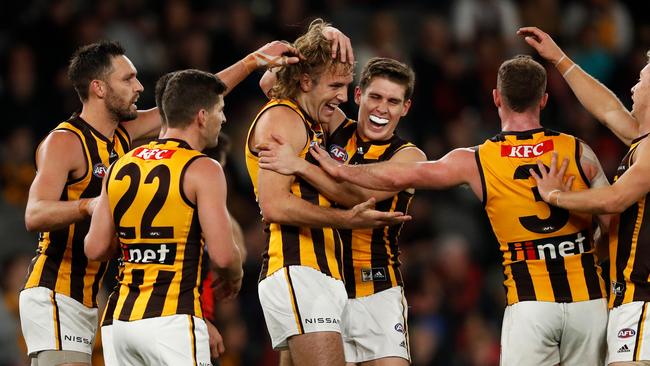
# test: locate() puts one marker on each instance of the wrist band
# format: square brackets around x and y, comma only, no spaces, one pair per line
[560,60]
[568,70]
[551,193]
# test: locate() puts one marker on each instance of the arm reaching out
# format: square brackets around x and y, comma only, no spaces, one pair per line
[593,95]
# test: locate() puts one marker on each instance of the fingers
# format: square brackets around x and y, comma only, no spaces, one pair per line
[335,49]
[542,169]
[568,183]
[553,168]
[563,167]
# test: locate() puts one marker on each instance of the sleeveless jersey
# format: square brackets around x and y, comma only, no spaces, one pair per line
[318,248]
[60,263]
[548,252]
[629,249]
[159,233]
[370,256]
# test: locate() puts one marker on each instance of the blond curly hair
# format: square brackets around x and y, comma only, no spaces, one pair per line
[317,53]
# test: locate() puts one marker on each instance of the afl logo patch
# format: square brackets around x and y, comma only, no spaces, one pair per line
[99,170]
[338,153]
[626,333]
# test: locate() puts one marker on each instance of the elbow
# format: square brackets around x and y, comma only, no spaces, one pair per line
[92,249]
[32,222]
[272,212]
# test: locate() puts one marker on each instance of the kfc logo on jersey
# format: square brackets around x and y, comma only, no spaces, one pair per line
[338,153]
[149,253]
[626,333]
[99,170]
[153,154]
[550,248]
[527,151]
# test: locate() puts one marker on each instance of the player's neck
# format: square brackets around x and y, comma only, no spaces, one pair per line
[100,119]
[184,134]
[520,122]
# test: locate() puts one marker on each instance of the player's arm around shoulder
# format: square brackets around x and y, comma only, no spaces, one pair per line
[146,125]
[59,158]
[204,184]
[632,185]
[100,243]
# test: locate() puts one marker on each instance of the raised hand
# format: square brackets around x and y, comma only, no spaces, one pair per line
[542,43]
[340,43]
[276,53]
[279,157]
[552,181]
[364,215]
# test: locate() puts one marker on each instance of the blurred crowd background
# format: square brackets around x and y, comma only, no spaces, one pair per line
[450,258]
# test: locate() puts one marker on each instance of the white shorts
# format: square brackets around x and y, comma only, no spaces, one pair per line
[375,327]
[537,333]
[628,333]
[298,300]
[108,348]
[168,340]
[55,322]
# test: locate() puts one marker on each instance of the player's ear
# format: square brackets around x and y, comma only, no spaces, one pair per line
[357,95]
[98,88]
[543,101]
[202,118]
[407,106]
[496,97]
[306,83]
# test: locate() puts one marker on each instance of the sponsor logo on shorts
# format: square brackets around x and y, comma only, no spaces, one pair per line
[399,327]
[403,344]
[551,248]
[373,274]
[338,153]
[626,333]
[527,151]
[153,154]
[99,170]
[149,253]
[623,349]
[76,339]
[618,288]
[322,320]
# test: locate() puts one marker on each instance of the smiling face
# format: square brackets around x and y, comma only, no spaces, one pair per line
[381,105]
[321,98]
[123,89]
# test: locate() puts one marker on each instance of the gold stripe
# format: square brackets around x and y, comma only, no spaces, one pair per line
[193,339]
[292,296]
[639,340]
[630,287]
[57,335]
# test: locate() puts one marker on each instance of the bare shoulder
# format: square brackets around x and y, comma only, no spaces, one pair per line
[203,169]
[282,122]
[63,147]
[409,154]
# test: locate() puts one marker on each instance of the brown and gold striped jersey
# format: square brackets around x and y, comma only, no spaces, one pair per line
[548,252]
[60,263]
[159,233]
[318,248]
[629,249]
[370,256]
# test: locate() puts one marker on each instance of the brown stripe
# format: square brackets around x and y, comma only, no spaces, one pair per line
[592,279]
[193,337]
[348,264]
[57,322]
[559,279]
[137,278]
[639,333]
[158,296]
[523,281]
[191,269]
[294,301]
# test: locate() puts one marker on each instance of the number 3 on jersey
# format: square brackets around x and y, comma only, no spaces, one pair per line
[147,231]
[555,221]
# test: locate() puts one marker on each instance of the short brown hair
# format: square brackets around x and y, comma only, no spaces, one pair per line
[390,69]
[161,85]
[521,82]
[318,58]
[187,92]
[92,62]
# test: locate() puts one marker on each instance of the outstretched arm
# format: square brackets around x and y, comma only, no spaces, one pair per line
[593,95]
[456,168]
[277,156]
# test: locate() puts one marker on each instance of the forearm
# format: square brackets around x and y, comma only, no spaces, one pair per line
[237,72]
[233,271]
[344,193]
[53,215]
[600,200]
[381,176]
[287,209]
[599,100]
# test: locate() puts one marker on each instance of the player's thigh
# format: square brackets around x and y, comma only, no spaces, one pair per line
[108,348]
[584,336]
[317,349]
[298,300]
[55,322]
[628,333]
[62,358]
[531,334]
[375,328]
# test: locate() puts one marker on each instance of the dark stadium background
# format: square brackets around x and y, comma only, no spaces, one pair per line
[451,260]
